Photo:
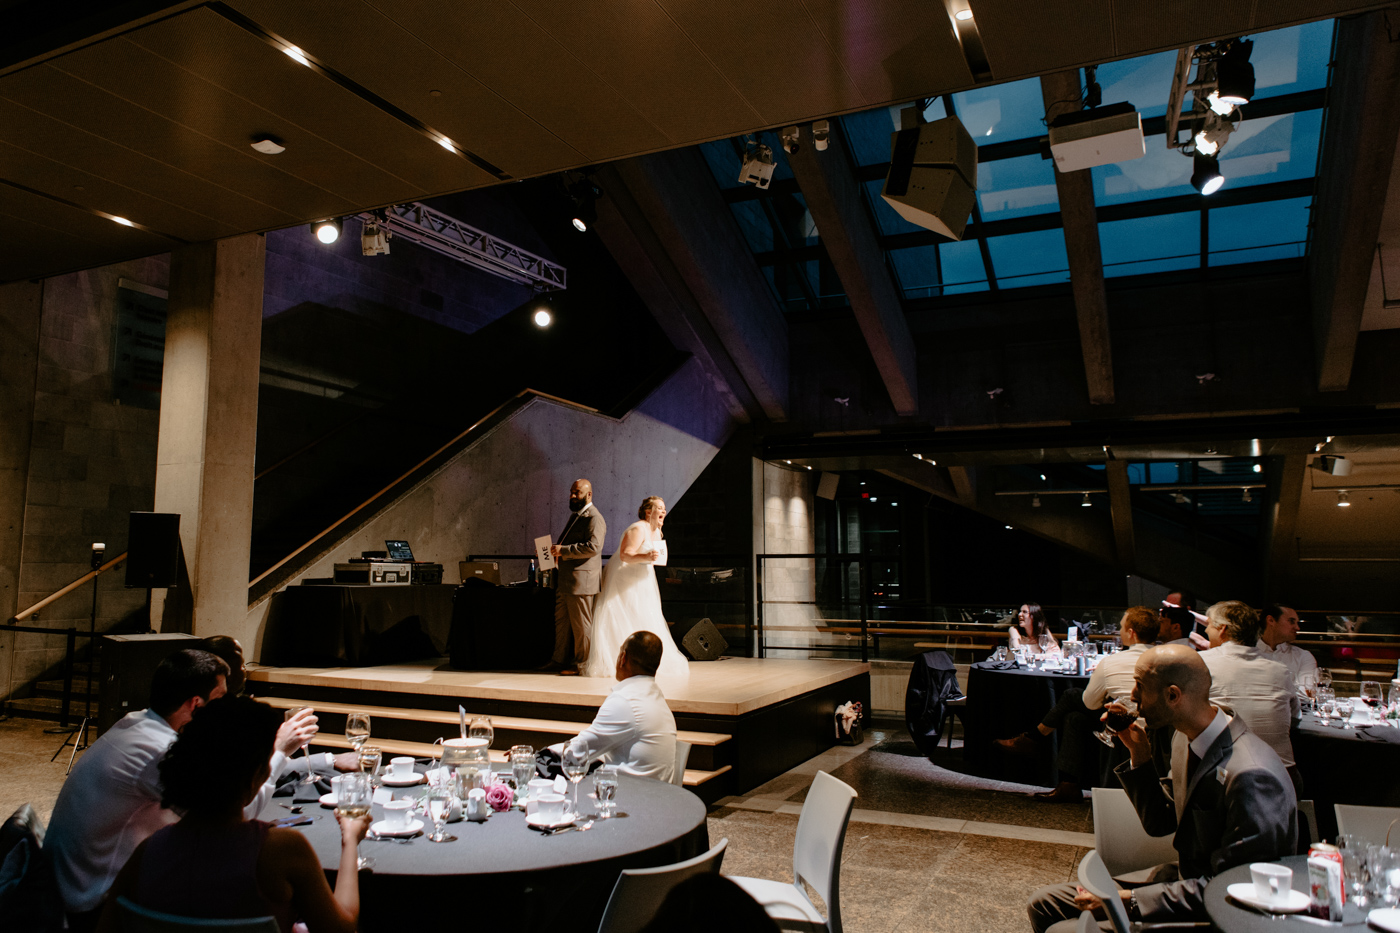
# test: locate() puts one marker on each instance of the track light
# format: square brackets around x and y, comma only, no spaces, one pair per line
[1206,178]
[327,231]
[821,134]
[792,139]
[1180,499]
[1234,74]
[542,317]
[1085,502]
[1343,500]
[1258,468]
[584,195]
[374,239]
[918,456]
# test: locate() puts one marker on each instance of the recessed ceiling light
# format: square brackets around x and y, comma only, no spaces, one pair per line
[297,55]
[268,145]
[123,221]
[1008,527]
[446,143]
[962,16]
[1343,500]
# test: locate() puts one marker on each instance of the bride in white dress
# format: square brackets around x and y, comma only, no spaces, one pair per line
[630,600]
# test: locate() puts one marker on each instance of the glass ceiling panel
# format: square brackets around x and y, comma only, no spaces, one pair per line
[1290,60]
[1162,173]
[1281,148]
[1144,82]
[868,134]
[724,164]
[1161,243]
[963,270]
[1035,258]
[890,222]
[1002,112]
[1016,187]
[1257,232]
[917,269]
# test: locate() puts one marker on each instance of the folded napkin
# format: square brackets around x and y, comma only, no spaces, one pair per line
[1378,732]
[1007,665]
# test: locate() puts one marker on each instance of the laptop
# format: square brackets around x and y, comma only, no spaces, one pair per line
[399,551]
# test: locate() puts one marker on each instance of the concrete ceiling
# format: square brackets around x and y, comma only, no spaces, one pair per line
[145,110]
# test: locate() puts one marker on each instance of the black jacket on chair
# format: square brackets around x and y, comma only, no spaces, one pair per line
[932,683]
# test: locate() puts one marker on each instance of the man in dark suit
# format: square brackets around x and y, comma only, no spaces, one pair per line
[579,553]
[1227,797]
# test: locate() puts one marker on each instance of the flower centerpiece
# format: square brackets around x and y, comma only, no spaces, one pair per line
[500,797]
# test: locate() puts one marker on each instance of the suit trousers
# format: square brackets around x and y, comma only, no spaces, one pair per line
[573,615]
[1078,755]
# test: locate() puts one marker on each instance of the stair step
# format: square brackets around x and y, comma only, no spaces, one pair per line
[54,688]
[514,723]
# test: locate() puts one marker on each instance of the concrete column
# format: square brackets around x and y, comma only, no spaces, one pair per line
[208,431]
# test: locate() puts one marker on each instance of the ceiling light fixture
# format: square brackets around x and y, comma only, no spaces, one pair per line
[268,145]
[756,166]
[1180,499]
[447,144]
[1234,74]
[374,237]
[918,456]
[543,318]
[583,195]
[1086,503]
[1258,468]
[1343,500]
[123,221]
[1246,497]
[327,231]
[1008,528]
[962,16]
[1207,178]
[297,55]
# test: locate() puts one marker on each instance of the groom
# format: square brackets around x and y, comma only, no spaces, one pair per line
[579,553]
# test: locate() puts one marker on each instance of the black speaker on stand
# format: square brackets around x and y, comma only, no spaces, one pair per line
[152,553]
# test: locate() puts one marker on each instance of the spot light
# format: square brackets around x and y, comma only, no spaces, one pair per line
[918,456]
[327,231]
[1246,497]
[963,16]
[1343,500]
[1085,502]
[1206,178]
[1258,468]
[543,318]
[1234,74]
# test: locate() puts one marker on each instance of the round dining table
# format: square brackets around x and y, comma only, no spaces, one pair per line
[1230,916]
[506,874]
[1002,702]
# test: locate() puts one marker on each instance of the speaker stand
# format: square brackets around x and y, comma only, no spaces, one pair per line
[79,735]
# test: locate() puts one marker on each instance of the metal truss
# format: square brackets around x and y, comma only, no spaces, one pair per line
[463,242]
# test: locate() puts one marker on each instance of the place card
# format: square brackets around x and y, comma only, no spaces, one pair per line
[545,559]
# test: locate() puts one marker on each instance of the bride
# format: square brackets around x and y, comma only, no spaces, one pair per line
[630,601]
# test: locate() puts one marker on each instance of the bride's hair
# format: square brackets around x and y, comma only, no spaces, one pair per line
[647,503]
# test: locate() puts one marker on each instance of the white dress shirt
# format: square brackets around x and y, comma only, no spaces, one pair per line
[1259,691]
[1113,677]
[1299,661]
[634,729]
[1202,743]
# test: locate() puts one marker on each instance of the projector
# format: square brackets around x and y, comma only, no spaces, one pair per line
[1102,136]
[932,180]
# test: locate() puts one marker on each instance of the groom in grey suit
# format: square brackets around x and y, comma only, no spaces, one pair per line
[580,556]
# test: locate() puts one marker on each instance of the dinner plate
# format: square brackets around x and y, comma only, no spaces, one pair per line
[391,781]
[1244,893]
[384,828]
[538,821]
[1385,918]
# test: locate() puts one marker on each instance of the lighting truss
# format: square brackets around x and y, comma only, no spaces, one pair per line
[1209,119]
[456,240]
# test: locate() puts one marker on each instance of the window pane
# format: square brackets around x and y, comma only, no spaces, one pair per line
[962,267]
[724,164]
[1144,82]
[868,134]
[1035,258]
[1162,173]
[1290,60]
[1256,232]
[1016,187]
[917,268]
[1272,149]
[1151,244]
[1002,112]
[757,230]
[889,221]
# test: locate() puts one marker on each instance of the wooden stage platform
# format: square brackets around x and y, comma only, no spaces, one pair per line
[747,719]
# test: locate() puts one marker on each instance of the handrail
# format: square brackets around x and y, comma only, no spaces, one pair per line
[59,594]
[414,469]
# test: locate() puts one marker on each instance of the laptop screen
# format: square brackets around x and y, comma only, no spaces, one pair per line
[399,550]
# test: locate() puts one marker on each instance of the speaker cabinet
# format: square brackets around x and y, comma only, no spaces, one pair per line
[127,664]
[153,549]
[700,640]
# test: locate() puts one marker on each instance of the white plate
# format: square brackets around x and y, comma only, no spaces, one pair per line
[1385,918]
[537,820]
[328,800]
[401,782]
[1244,893]
[383,828]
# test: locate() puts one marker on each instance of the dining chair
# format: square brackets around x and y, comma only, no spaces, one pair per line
[639,891]
[954,707]
[132,918]
[1307,823]
[816,860]
[1087,923]
[1123,845]
[682,758]
[1377,825]
[1094,878]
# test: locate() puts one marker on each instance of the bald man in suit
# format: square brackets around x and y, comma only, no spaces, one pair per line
[580,556]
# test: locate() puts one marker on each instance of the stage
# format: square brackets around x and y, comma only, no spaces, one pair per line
[747,719]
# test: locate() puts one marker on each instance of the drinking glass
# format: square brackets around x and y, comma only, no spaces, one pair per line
[522,768]
[439,803]
[370,756]
[1387,869]
[1117,721]
[1324,677]
[1344,707]
[999,654]
[357,729]
[1046,642]
[1356,865]
[605,789]
[1371,696]
[1307,688]
[305,748]
[575,765]
[481,728]
[353,797]
[1326,703]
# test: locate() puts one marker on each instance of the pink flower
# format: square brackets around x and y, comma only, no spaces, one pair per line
[500,797]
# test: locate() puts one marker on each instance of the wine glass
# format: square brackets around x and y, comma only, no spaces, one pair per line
[353,796]
[1307,688]
[305,748]
[1116,721]
[357,729]
[1046,642]
[1344,708]
[522,768]
[1371,696]
[575,765]
[1326,703]
[370,757]
[481,728]
[1324,677]
[605,788]
[439,803]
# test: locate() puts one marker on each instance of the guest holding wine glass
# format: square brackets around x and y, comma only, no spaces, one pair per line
[215,863]
[1029,628]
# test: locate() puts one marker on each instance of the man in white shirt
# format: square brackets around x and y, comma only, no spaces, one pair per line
[1176,622]
[634,728]
[1277,635]
[1259,691]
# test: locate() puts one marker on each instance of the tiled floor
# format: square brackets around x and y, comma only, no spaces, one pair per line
[929,848]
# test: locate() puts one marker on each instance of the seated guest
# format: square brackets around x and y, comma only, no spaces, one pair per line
[230,651]
[1030,625]
[1077,711]
[1175,621]
[1257,690]
[1229,800]
[1277,634]
[634,728]
[217,864]
[1184,600]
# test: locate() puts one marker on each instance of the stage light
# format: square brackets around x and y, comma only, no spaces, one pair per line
[327,231]
[1234,75]
[1042,476]
[1222,107]
[543,318]
[1180,499]
[584,195]
[756,166]
[918,456]
[1207,178]
[821,134]
[1086,503]
[374,239]
[1343,500]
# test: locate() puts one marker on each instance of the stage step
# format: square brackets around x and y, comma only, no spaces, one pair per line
[392,747]
[499,723]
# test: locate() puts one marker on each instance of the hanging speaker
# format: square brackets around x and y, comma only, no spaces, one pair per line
[700,640]
[153,549]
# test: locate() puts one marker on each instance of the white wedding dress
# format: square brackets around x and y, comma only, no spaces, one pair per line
[631,602]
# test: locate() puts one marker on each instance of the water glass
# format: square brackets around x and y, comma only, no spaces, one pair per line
[1371,695]
[522,767]
[1344,708]
[357,729]
[481,728]
[605,789]
[1356,866]
[575,766]
[353,796]
[1326,701]
[999,654]
[440,795]
[370,757]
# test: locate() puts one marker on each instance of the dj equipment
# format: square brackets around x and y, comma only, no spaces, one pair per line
[127,663]
[488,570]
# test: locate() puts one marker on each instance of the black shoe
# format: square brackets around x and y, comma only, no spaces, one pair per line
[1065,792]
[553,667]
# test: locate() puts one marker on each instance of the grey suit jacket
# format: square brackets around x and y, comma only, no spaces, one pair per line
[1238,808]
[581,552]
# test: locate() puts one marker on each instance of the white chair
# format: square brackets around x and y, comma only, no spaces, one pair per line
[1095,878]
[682,758]
[1307,818]
[1087,923]
[1374,824]
[1123,845]
[639,891]
[134,919]
[816,859]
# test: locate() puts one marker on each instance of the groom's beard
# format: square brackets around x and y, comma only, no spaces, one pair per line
[577,505]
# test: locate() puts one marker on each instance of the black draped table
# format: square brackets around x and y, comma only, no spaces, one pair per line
[1340,765]
[503,874]
[1003,703]
[356,626]
[501,628]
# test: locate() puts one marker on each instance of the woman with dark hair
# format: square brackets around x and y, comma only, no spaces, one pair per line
[1030,625]
[214,863]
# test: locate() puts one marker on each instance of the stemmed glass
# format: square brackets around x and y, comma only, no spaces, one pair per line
[370,756]
[575,765]
[439,803]
[1326,702]
[353,797]
[1371,696]
[1046,642]
[1324,677]
[522,768]
[310,777]
[481,728]
[1307,687]
[1344,708]
[605,788]
[357,729]
[1117,721]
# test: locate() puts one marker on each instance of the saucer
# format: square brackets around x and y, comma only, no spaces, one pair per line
[390,781]
[1244,893]
[328,800]
[1385,918]
[383,828]
[538,821]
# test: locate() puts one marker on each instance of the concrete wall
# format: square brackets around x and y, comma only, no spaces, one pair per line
[70,475]
[512,486]
[786,525]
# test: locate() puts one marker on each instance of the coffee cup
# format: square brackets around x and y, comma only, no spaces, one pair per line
[539,786]
[401,769]
[1272,883]
[549,807]
[397,813]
